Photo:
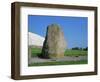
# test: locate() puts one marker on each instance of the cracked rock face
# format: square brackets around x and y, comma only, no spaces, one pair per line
[54,45]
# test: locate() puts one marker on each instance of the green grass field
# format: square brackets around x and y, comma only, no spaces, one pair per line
[36,52]
[59,63]
[68,52]
[75,53]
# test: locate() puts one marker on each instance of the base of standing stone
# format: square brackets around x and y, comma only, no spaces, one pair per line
[56,56]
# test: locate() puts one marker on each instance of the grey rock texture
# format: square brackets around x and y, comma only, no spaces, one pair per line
[54,45]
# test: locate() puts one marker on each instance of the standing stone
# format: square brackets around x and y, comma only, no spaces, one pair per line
[54,45]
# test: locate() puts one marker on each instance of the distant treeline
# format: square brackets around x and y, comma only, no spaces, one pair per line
[78,48]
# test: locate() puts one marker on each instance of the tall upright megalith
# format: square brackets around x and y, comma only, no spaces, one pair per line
[54,45]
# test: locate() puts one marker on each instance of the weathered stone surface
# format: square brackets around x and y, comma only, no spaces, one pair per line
[54,45]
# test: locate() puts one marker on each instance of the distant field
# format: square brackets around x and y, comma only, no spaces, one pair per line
[37,51]
[75,53]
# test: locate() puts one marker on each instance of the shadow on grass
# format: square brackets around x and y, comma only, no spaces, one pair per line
[40,55]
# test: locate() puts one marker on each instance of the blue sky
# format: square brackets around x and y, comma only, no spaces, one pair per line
[74,28]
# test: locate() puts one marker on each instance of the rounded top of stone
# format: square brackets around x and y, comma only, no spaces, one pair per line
[54,25]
